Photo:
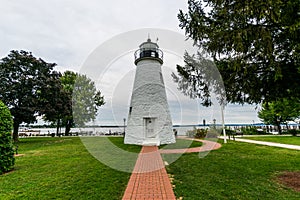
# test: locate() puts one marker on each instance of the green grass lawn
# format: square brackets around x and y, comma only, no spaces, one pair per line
[62,168]
[278,139]
[236,171]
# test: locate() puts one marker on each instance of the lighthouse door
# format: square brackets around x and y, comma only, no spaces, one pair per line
[150,125]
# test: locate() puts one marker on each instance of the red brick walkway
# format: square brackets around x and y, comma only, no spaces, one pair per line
[206,147]
[149,179]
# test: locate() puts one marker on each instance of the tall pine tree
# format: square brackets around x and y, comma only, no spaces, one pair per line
[254,43]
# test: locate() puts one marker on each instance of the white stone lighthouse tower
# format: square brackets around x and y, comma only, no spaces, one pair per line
[149,119]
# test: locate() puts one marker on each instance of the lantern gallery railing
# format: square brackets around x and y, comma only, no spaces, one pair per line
[156,54]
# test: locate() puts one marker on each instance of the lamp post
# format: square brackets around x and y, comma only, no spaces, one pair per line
[124,119]
[214,123]
[223,124]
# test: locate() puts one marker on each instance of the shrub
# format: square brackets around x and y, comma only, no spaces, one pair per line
[229,132]
[293,132]
[250,130]
[214,132]
[7,159]
[197,133]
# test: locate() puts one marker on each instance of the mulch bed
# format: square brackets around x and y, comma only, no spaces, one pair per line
[290,179]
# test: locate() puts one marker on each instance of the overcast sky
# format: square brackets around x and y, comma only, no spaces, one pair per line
[68,32]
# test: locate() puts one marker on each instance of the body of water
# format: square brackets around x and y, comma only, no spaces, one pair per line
[106,130]
[97,131]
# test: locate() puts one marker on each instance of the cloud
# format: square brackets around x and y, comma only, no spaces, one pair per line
[67,32]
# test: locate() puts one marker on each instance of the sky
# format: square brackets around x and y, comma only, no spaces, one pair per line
[99,38]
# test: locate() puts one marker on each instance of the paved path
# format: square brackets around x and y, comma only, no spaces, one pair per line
[207,146]
[273,144]
[149,179]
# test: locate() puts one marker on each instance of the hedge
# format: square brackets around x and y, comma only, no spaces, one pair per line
[7,159]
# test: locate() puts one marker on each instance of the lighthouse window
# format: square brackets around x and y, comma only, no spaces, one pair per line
[161,78]
[130,109]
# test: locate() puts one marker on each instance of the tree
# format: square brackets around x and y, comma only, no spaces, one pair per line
[85,100]
[254,43]
[56,102]
[75,101]
[68,81]
[7,159]
[279,112]
[23,77]
[198,78]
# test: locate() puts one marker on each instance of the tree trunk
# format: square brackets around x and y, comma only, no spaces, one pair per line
[16,132]
[287,126]
[68,127]
[279,128]
[57,127]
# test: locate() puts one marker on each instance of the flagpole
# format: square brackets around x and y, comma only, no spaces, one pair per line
[223,123]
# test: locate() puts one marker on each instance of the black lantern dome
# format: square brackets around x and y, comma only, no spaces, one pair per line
[148,50]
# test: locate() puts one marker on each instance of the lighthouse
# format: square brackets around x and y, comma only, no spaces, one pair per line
[149,120]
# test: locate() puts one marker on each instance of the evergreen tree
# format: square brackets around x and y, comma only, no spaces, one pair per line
[254,43]
[198,78]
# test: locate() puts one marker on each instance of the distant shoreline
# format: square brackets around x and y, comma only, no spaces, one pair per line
[174,126]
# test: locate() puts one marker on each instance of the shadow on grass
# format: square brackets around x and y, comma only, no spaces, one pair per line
[112,152]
